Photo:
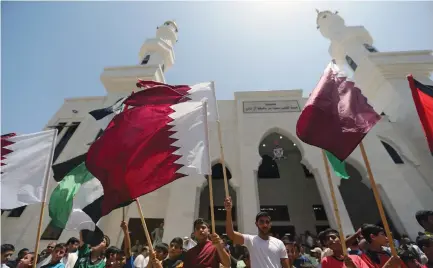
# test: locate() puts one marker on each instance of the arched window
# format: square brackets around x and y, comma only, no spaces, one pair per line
[351,63]
[145,60]
[392,153]
[217,172]
[268,169]
[370,48]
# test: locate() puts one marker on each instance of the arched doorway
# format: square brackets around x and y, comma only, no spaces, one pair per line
[359,200]
[287,189]
[218,199]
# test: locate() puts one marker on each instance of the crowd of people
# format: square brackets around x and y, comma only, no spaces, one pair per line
[367,248]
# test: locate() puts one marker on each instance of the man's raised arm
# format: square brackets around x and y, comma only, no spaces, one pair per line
[236,237]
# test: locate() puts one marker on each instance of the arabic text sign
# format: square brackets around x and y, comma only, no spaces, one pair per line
[279,106]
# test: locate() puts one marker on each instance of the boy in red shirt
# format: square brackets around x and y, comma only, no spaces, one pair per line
[330,238]
[378,255]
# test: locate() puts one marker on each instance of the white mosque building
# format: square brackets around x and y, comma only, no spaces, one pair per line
[294,188]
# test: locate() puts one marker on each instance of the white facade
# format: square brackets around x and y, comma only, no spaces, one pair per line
[248,133]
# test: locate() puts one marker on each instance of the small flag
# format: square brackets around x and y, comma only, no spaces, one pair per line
[423,98]
[337,165]
[148,147]
[105,115]
[336,116]
[25,162]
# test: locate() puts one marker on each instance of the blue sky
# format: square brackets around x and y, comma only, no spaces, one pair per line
[56,50]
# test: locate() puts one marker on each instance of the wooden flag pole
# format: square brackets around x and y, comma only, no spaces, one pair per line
[41,215]
[222,160]
[378,200]
[335,205]
[143,222]
[212,214]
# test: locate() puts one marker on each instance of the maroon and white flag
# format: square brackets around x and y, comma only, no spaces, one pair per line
[163,138]
[25,164]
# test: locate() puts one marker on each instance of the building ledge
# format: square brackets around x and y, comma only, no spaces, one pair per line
[124,78]
[399,64]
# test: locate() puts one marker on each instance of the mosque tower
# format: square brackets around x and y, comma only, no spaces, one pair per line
[381,76]
[155,57]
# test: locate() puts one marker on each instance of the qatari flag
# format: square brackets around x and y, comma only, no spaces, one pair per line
[163,138]
[337,116]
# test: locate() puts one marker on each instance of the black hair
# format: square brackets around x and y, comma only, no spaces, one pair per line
[424,241]
[407,255]
[111,250]
[7,247]
[200,221]
[72,240]
[178,241]
[262,214]
[162,247]
[370,229]
[21,253]
[423,215]
[60,245]
[323,234]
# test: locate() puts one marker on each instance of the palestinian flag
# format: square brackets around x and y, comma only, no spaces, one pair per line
[75,204]
[423,98]
[105,115]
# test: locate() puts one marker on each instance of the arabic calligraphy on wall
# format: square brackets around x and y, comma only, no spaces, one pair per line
[279,106]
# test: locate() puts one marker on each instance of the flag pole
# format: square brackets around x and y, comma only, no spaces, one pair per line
[378,200]
[335,204]
[143,222]
[212,213]
[41,215]
[220,140]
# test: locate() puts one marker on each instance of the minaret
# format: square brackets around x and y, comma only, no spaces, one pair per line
[350,45]
[159,50]
[381,76]
[155,57]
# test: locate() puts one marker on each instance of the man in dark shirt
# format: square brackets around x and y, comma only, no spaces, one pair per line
[175,254]
[207,253]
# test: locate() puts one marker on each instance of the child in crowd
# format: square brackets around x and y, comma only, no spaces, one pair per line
[378,254]
[111,257]
[175,254]
[57,254]
[409,258]
[91,257]
[7,250]
[331,239]
[158,255]
[27,260]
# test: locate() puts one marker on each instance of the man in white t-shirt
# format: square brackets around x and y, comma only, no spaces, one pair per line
[142,260]
[265,251]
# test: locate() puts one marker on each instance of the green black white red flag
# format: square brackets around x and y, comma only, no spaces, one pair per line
[423,98]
